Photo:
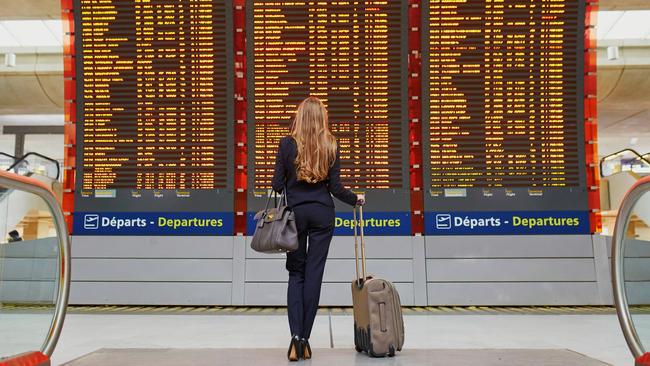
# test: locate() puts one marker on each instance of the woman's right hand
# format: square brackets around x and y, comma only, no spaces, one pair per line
[361,199]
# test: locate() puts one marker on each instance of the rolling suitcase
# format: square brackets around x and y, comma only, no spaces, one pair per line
[378,322]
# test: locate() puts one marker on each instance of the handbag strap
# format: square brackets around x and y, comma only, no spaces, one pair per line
[268,200]
[274,194]
[283,198]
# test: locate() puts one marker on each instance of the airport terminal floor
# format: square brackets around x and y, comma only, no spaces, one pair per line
[470,336]
[158,205]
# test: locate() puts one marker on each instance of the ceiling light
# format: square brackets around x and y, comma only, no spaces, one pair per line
[6,39]
[631,25]
[30,33]
[56,28]
[606,20]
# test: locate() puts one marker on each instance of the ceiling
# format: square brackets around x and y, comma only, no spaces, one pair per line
[31,9]
[623,4]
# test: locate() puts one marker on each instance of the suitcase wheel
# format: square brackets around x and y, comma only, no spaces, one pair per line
[357,348]
[391,351]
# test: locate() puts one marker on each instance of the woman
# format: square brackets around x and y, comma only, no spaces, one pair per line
[308,167]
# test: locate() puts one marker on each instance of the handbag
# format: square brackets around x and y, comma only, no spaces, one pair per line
[275,228]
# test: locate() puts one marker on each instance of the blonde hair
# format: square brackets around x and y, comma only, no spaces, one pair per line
[316,144]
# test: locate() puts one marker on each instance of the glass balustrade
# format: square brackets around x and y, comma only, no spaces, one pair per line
[631,266]
[34,266]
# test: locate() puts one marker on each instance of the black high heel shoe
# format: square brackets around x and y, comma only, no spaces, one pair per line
[306,348]
[295,349]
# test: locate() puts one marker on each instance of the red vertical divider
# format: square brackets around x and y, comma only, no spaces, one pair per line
[241,150]
[415,115]
[70,108]
[590,112]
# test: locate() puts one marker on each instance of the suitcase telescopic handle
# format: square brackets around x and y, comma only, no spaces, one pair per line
[359,239]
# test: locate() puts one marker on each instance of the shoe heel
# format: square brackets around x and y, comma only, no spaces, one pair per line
[295,350]
[306,349]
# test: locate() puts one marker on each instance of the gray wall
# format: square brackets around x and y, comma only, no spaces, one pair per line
[454,270]
[637,271]
[28,271]
[518,270]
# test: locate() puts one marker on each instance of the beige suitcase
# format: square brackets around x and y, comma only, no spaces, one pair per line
[378,322]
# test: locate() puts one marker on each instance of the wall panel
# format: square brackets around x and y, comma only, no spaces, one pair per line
[153,270]
[150,293]
[513,293]
[515,270]
[332,294]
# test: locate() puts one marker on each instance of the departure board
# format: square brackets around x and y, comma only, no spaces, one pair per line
[153,98]
[351,55]
[504,105]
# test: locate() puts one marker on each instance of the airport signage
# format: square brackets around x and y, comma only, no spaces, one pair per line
[153,223]
[507,223]
[375,223]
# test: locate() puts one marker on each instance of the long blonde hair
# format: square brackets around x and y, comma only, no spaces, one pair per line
[316,144]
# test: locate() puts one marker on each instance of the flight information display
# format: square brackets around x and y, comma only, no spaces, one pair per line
[153,99]
[503,108]
[351,55]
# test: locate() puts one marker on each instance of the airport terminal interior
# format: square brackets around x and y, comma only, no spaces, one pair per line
[502,147]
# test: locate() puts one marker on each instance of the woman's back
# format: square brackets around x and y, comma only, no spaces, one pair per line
[307,164]
[299,191]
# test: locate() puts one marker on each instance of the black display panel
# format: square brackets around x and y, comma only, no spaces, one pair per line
[154,110]
[503,106]
[352,55]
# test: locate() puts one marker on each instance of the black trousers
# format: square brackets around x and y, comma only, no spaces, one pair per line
[315,224]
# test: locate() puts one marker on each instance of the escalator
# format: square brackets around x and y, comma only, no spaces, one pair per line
[34,269]
[631,270]
[31,164]
[26,207]
[625,161]
[619,172]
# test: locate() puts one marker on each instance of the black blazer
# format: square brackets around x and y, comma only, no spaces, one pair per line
[299,192]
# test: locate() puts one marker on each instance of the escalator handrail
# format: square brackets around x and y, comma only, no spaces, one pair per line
[18,182]
[23,158]
[634,152]
[8,155]
[618,275]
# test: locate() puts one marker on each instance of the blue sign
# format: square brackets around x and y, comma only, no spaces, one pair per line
[376,223]
[153,223]
[506,223]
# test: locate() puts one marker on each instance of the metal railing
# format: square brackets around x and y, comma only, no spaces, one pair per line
[626,160]
[22,159]
[620,244]
[17,182]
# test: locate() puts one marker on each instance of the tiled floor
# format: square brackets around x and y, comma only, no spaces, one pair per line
[329,357]
[597,336]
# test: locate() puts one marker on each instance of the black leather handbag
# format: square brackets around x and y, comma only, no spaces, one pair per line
[275,228]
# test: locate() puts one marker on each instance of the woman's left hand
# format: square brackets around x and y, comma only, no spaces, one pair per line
[361,199]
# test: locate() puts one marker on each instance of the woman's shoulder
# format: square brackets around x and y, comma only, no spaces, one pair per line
[286,141]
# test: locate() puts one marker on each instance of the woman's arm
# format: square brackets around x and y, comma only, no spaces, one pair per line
[279,177]
[336,188]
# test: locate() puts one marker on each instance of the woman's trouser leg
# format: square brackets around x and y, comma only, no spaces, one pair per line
[319,244]
[296,267]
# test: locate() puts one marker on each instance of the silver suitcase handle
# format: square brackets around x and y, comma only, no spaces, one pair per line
[359,238]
